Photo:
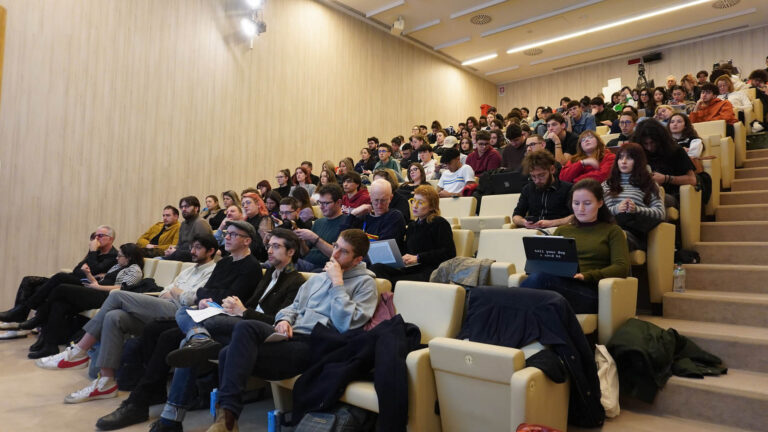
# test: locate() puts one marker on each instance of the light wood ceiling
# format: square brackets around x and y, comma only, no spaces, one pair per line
[446,26]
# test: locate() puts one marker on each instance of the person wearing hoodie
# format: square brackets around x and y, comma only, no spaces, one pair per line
[344,297]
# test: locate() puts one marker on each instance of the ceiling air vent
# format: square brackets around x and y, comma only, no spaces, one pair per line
[725,4]
[533,51]
[483,19]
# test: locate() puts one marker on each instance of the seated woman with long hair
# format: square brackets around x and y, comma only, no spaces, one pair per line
[272,202]
[212,213]
[416,178]
[591,160]
[670,165]
[685,135]
[326,176]
[301,179]
[306,213]
[600,244]
[428,240]
[632,196]
[366,163]
[283,179]
[230,198]
[67,300]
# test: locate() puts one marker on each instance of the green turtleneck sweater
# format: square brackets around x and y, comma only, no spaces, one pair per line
[602,250]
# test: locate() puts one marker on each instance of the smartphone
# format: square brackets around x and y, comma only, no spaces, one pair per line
[85,281]
[214,304]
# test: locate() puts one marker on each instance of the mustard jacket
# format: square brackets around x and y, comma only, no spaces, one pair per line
[169,237]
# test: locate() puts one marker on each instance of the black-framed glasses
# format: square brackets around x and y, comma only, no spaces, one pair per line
[234,234]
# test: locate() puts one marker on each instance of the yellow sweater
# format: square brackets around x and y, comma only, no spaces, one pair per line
[170,236]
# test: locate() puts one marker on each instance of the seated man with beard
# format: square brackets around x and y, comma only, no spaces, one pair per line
[544,200]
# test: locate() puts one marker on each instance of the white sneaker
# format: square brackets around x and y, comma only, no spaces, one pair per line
[757,127]
[66,359]
[100,388]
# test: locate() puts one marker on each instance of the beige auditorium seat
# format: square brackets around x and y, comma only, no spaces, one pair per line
[757,107]
[437,309]
[690,216]
[659,259]
[495,212]
[487,387]
[617,302]
[602,130]
[166,272]
[506,247]
[711,165]
[317,212]
[608,137]
[433,182]
[149,267]
[185,266]
[454,208]
[718,144]
[464,241]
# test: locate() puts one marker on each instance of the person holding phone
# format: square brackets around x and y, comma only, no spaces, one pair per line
[544,200]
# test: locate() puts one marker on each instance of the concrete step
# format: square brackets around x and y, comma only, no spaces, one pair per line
[742,212]
[740,347]
[754,231]
[637,421]
[743,173]
[738,399]
[748,309]
[748,197]
[740,253]
[756,162]
[749,184]
[755,154]
[727,277]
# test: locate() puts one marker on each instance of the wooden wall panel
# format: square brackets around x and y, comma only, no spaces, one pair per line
[114,108]
[747,49]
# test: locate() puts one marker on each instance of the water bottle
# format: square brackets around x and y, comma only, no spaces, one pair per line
[679,284]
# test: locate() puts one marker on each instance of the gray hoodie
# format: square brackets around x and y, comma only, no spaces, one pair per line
[345,307]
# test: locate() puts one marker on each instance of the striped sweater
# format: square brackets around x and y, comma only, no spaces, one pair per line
[655,210]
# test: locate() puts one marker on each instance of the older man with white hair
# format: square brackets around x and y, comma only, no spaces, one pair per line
[378,221]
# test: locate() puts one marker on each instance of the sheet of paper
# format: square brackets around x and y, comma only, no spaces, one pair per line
[203,314]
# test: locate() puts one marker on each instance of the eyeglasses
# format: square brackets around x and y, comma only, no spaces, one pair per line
[234,234]
[625,122]
[414,202]
[482,143]
[531,145]
[380,201]
[101,235]
[274,246]
[324,203]
[286,213]
[383,151]
[588,138]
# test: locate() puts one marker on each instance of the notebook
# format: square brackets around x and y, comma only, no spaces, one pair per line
[386,252]
[551,254]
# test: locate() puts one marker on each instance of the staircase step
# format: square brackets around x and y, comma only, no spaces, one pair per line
[743,253]
[755,154]
[756,162]
[742,212]
[743,173]
[738,399]
[727,277]
[740,347]
[748,197]
[755,231]
[749,184]
[747,309]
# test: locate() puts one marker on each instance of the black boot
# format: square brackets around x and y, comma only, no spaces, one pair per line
[31,323]
[45,351]
[125,415]
[38,345]
[16,314]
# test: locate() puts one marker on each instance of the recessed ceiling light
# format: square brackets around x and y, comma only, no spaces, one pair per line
[480,19]
[479,59]
[725,4]
[607,26]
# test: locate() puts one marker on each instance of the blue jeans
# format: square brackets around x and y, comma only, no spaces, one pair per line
[218,327]
[582,296]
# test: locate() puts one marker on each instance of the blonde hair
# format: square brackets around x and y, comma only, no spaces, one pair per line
[727,79]
[433,199]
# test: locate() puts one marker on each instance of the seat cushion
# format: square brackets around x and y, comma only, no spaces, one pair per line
[637,257]
[361,394]
[588,322]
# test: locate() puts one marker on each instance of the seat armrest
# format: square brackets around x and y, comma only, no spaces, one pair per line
[500,273]
[727,161]
[690,216]
[713,168]
[740,140]
[660,260]
[422,393]
[516,279]
[617,302]
[536,399]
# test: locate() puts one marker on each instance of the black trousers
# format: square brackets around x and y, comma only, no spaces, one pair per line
[159,338]
[64,302]
[37,289]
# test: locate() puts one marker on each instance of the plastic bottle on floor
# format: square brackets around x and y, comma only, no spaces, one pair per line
[679,284]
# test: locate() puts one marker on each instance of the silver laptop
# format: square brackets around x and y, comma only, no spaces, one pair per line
[386,252]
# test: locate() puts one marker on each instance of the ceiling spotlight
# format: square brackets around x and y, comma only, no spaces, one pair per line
[254,4]
[248,27]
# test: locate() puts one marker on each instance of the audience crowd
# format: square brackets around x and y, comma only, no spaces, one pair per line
[247,249]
